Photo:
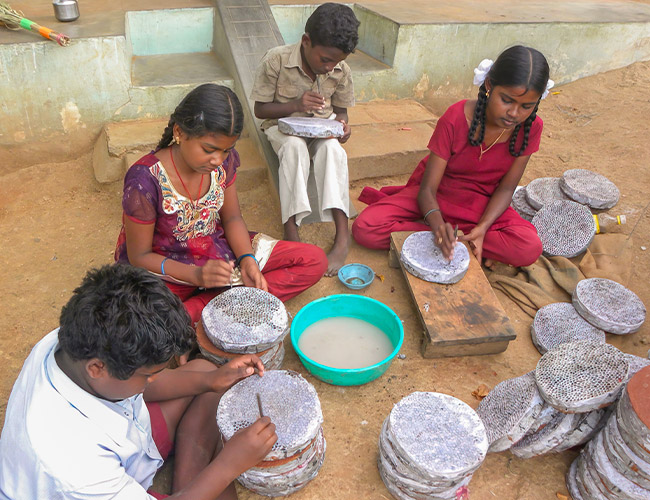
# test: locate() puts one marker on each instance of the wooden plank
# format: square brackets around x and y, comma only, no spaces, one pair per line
[463,319]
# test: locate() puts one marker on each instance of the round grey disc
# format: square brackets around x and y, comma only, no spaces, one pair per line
[571,481]
[521,205]
[566,228]
[423,259]
[636,363]
[547,438]
[544,190]
[288,399]
[509,410]
[558,323]
[580,376]
[609,305]
[589,188]
[245,319]
[438,435]
[303,126]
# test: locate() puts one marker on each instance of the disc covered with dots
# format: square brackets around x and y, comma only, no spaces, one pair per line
[509,410]
[438,435]
[581,376]
[557,323]
[521,205]
[309,127]
[544,190]
[609,305]
[566,228]
[245,319]
[590,188]
[424,259]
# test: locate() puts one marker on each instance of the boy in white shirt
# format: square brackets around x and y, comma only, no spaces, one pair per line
[95,410]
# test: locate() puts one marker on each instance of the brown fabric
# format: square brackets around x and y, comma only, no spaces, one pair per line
[553,279]
[280,78]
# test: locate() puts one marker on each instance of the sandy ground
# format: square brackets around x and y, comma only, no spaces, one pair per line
[58,222]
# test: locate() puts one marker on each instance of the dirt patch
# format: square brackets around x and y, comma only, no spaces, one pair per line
[58,222]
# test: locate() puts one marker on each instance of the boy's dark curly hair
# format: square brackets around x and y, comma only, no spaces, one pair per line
[517,66]
[126,317]
[333,25]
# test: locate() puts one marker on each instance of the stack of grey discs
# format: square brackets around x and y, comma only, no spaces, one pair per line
[589,188]
[293,406]
[609,305]
[423,258]
[310,127]
[544,190]
[246,320]
[521,205]
[562,404]
[615,465]
[580,376]
[557,323]
[509,411]
[566,228]
[429,447]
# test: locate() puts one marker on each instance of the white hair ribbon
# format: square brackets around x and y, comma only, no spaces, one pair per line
[549,86]
[481,71]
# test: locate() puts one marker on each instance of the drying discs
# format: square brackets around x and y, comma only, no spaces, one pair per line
[509,410]
[303,126]
[521,205]
[547,438]
[576,377]
[566,228]
[589,188]
[609,305]
[558,323]
[423,259]
[544,190]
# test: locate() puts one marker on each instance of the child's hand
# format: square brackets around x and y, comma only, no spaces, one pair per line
[248,447]
[235,370]
[346,132]
[475,239]
[443,236]
[215,273]
[310,102]
[252,276]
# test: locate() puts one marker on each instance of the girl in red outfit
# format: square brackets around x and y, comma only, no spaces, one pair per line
[479,150]
[182,219]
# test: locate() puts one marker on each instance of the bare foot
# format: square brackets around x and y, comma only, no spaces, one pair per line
[488,263]
[291,230]
[336,258]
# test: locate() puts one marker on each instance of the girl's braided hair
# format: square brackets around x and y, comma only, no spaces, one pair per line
[209,108]
[517,66]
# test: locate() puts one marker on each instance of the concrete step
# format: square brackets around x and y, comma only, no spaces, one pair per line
[388,137]
[188,69]
[120,144]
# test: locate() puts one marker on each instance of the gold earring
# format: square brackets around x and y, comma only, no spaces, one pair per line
[487,95]
[177,140]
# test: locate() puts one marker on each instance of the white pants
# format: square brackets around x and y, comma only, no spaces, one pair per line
[330,172]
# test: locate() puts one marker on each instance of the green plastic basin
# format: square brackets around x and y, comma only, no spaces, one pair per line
[351,306]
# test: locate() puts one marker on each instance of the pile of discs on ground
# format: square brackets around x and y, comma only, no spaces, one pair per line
[293,406]
[429,447]
[244,320]
[615,464]
[558,406]
[598,305]
[560,209]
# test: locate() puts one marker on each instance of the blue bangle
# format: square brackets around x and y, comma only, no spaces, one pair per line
[241,257]
[162,266]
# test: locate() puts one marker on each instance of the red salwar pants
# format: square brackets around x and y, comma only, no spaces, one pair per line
[292,268]
[516,243]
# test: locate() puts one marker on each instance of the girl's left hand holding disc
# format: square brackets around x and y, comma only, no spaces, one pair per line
[251,274]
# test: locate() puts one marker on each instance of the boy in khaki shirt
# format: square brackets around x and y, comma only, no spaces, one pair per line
[310,78]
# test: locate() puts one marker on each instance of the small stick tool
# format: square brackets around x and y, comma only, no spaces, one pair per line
[259,404]
[456,233]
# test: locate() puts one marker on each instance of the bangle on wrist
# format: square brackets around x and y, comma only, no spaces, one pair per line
[429,213]
[162,266]
[242,257]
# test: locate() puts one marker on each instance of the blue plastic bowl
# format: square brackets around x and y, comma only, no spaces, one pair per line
[351,306]
[356,276]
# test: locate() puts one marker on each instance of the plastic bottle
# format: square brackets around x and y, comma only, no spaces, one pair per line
[606,222]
